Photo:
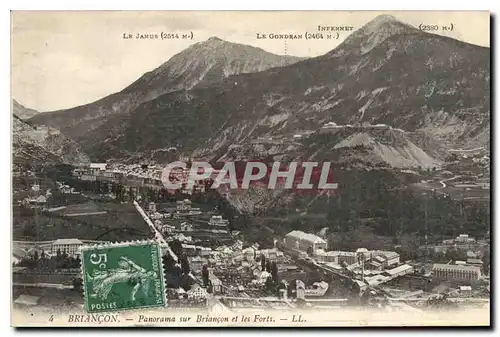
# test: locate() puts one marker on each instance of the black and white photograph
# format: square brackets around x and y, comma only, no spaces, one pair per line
[284,168]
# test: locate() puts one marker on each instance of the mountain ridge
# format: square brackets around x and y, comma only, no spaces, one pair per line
[21,111]
[42,145]
[202,62]
[415,81]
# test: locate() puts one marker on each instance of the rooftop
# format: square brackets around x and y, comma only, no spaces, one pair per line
[101,166]
[67,242]
[341,253]
[19,252]
[27,300]
[455,267]
[474,261]
[215,281]
[386,254]
[399,269]
[305,236]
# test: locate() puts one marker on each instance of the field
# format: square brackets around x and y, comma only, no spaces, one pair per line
[51,297]
[120,222]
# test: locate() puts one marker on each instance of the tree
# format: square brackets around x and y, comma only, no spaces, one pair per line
[185,264]
[292,286]
[168,263]
[77,262]
[176,247]
[263,262]
[310,251]
[77,283]
[29,230]
[486,262]
[274,271]
[268,266]
[131,193]
[269,283]
[205,275]
[186,282]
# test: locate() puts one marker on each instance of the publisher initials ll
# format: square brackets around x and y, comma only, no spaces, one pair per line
[297,318]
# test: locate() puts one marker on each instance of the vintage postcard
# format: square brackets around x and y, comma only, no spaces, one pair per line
[251,168]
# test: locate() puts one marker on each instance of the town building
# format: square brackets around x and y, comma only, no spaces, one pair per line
[270,254]
[452,272]
[301,289]
[183,206]
[37,202]
[203,251]
[399,271]
[197,263]
[88,177]
[97,168]
[329,127]
[79,171]
[331,256]
[377,263]
[249,254]
[318,289]
[377,279]
[475,262]
[465,291]
[218,221]
[389,258]
[304,242]
[464,238]
[190,250]
[68,246]
[238,245]
[197,293]
[215,285]
[348,257]
[186,227]
[18,254]
[363,253]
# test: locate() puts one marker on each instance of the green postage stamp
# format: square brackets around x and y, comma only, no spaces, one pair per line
[123,276]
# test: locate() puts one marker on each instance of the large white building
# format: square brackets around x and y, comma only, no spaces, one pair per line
[304,241]
[453,272]
[70,246]
[464,238]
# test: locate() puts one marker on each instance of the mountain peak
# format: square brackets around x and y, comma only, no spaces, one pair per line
[383,18]
[214,39]
[371,35]
[383,23]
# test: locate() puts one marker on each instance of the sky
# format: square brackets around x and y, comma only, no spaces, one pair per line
[62,59]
